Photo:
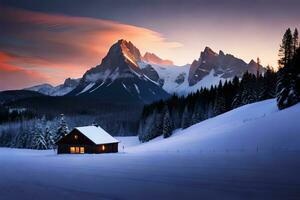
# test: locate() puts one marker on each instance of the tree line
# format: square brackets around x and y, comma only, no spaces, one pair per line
[162,117]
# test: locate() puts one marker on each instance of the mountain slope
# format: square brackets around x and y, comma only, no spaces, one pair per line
[253,127]
[59,90]
[15,95]
[224,66]
[120,76]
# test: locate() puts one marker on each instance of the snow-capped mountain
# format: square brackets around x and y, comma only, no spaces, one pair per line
[120,77]
[222,66]
[59,90]
[125,73]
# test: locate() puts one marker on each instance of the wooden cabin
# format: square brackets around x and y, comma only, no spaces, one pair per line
[87,139]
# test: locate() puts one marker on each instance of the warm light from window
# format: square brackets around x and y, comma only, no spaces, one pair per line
[76,137]
[103,147]
[72,149]
[81,149]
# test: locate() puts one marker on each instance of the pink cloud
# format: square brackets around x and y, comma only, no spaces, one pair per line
[60,46]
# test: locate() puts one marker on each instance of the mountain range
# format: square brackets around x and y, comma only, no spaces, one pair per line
[125,75]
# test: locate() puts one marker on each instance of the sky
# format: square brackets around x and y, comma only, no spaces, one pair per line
[48,41]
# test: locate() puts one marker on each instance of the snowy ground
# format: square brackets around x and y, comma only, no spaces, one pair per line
[250,153]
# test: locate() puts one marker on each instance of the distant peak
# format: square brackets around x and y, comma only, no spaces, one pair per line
[209,50]
[152,58]
[252,62]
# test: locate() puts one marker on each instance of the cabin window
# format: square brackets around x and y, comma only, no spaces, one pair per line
[76,149]
[81,149]
[103,148]
[75,137]
[72,149]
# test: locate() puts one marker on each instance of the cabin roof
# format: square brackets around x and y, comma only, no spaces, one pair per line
[97,134]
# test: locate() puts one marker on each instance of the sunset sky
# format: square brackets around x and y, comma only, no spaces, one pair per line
[50,40]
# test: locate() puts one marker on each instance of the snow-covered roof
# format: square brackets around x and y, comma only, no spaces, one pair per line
[96,134]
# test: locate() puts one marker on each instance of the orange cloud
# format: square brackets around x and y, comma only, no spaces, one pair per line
[14,77]
[60,46]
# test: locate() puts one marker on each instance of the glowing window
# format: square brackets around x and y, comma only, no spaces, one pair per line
[103,147]
[81,149]
[76,137]
[72,150]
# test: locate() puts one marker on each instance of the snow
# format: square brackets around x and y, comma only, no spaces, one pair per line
[97,87]
[137,88]
[170,73]
[251,152]
[89,86]
[97,134]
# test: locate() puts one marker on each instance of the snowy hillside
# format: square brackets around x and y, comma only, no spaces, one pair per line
[258,126]
[249,153]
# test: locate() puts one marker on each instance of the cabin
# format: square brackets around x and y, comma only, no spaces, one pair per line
[87,139]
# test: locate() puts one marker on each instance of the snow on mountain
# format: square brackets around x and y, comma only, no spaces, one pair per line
[226,66]
[119,76]
[147,78]
[254,127]
[208,70]
[59,90]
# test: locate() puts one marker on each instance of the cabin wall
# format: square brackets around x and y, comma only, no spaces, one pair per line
[108,148]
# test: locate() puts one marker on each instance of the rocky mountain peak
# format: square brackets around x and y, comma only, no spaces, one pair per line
[154,59]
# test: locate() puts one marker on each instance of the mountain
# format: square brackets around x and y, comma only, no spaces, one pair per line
[15,95]
[223,66]
[154,59]
[127,76]
[120,77]
[59,90]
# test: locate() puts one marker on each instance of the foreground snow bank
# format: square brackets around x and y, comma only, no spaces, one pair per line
[254,127]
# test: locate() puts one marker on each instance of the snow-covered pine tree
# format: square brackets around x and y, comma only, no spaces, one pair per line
[38,136]
[49,138]
[185,120]
[63,129]
[168,125]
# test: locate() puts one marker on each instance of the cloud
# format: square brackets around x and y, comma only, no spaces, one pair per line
[14,77]
[59,46]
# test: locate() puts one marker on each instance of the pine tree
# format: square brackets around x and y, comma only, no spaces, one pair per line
[286,49]
[185,120]
[49,138]
[295,41]
[198,114]
[63,129]
[219,105]
[286,89]
[168,125]
[39,141]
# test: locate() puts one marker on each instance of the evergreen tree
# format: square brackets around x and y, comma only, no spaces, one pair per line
[168,125]
[63,129]
[185,120]
[295,41]
[286,49]
[286,90]
[219,105]
[39,141]
[198,114]
[49,138]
